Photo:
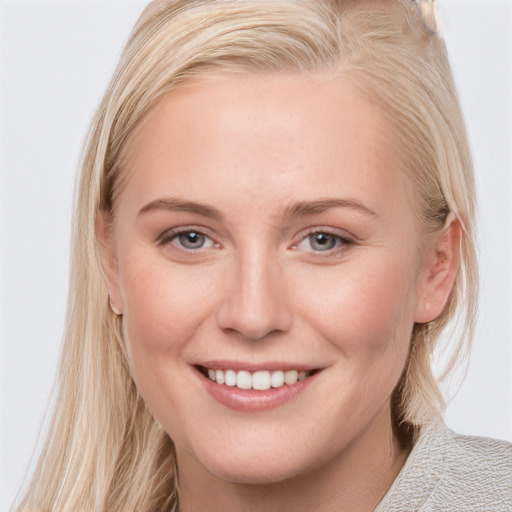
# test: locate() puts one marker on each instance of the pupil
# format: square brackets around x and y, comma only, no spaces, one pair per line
[322,242]
[191,240]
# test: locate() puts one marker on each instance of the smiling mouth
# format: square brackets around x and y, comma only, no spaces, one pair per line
[260,380]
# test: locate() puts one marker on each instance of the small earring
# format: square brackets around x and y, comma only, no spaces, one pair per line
[114,310]
[427,15]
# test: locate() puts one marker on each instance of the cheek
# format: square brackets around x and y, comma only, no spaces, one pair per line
[162,302]
[164,309]
[370,293]
[364,308]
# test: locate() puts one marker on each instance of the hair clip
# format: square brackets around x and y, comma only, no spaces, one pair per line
[427,15]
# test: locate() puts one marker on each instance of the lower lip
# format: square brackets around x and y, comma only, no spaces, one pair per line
[252,400]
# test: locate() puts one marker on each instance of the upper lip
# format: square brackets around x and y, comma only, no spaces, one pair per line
[255,367]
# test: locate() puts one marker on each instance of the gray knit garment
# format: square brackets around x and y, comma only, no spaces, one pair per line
[446,472]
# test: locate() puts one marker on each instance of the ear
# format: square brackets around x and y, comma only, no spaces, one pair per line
[109,260]
[441,266]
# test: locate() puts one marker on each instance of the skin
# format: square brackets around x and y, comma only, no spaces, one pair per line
[259,290]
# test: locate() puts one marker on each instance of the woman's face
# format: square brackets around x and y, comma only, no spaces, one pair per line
[265,228]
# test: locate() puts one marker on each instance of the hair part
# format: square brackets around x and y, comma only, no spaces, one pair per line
[104,449]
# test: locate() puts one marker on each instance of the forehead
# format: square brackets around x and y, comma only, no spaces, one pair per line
[306,134]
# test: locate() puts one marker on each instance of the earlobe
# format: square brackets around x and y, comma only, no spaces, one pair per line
[109,261]
[440,270]
[113,308]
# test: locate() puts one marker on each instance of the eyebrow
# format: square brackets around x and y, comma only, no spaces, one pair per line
[182,205]
[303,208]
[297,209]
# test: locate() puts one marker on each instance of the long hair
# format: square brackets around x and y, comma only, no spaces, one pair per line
[104,451]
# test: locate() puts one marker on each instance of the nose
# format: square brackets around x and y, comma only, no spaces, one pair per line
[255,301]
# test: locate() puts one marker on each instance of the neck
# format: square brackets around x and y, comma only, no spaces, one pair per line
[356,479]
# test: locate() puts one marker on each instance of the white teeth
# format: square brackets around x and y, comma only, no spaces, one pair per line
[291,377]
[243,380]
[229,378]
[277,379]
[260,380]
[219,377]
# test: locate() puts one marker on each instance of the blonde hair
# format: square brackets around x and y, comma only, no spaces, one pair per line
[104,450]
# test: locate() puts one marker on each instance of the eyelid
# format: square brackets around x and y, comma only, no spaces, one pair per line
[337,232]
[170,234]
[342,235]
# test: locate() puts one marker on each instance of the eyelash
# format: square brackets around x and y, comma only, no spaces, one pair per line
[342,241]
[171,235]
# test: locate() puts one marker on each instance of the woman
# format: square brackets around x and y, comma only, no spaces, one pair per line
[274,226]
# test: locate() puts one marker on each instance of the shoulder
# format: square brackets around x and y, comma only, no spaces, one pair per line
[479,470]
[479,454]
[448,471]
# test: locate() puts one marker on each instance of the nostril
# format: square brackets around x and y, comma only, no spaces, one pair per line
[254,325]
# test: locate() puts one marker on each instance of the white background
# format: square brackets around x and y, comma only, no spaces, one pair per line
[56,58]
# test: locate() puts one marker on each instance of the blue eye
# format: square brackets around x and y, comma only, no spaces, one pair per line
[323,241]
[191,239]
[187,239]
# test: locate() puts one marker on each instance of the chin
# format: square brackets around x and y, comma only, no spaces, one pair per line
[251,467]
[258,473]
